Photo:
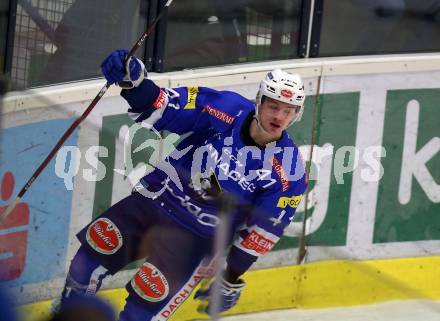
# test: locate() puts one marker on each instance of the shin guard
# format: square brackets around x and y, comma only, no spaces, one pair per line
[85,275]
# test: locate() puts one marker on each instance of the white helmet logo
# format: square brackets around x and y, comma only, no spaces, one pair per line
[286,93]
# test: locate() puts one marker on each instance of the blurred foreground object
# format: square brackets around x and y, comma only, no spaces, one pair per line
[7,313]
[84,308]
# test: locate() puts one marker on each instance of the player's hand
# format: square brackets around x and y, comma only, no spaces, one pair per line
[229,295]
[126,74]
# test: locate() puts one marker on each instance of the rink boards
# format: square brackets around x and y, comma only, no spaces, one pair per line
[374,199]
[312,286]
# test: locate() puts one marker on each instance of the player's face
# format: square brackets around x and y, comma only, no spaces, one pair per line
[275,116]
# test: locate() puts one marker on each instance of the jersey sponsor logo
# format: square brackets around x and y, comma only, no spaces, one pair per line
[192,96]
[286,93]
[224,166]
[257,242]
[281,174]
[181,296]
[160,100]
[219,114]
[104,236]
[186,202]
[293,201]
[150,284]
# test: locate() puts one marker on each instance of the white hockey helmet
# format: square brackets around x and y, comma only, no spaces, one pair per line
[282,86]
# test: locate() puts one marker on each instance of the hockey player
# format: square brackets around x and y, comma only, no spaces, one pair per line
[231,146]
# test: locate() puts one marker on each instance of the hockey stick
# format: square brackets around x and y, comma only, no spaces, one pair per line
[302,247]
[79,120]
[220,245]
[227,204]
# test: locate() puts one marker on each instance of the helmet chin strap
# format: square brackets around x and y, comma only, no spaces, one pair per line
[259,125]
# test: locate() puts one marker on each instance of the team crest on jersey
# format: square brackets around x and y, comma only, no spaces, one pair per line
[150,284]
[104,236]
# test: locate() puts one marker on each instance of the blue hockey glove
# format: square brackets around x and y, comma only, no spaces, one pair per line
[229,295]
[126,76]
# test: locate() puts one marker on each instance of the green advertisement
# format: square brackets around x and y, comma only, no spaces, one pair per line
[337,114]
[408,203]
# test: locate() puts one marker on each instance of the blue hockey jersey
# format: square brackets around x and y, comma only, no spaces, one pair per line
[218,155]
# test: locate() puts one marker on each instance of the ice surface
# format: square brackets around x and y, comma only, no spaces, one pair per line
[414,310]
